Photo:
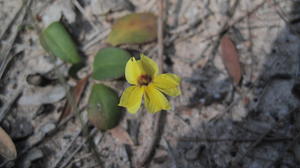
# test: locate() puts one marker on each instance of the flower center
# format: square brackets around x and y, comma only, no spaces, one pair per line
[144,80]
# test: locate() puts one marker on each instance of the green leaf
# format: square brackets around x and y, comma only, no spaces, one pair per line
[134,29]
[110,63]
[57,41]
[104,112]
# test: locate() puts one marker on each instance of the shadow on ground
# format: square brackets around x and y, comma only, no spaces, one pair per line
[260,139]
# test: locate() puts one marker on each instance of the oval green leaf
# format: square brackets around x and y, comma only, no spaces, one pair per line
[134,29]
[104,112]
[57,41]
[110,63]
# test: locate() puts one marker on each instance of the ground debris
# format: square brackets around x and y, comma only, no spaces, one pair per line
[252,122]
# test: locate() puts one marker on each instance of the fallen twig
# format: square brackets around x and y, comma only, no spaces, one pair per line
[147,155]
[156,133]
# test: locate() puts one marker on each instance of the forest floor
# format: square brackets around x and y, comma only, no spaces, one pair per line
[214,123]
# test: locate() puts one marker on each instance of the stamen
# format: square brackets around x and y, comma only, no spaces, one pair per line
[144,79]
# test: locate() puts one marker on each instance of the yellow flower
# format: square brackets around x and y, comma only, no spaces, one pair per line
[144,76]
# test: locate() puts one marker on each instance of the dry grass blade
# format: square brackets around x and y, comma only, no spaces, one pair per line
[230,59]
[77,93]
[7,147]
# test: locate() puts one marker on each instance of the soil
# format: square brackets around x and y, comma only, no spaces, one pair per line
[214,123]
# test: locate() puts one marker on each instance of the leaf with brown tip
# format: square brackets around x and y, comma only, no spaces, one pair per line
[7,147]
[231,59]
[134,28]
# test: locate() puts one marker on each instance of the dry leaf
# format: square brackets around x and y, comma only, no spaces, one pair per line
[134,28]
[121,135]
[7,147]
[77,92]
[230,59]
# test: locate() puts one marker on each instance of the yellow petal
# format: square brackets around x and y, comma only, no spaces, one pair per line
[155,100]
[132,71]
[149,66]
[167,83]
[132,98]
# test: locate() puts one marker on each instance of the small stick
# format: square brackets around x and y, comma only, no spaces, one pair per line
[156,133]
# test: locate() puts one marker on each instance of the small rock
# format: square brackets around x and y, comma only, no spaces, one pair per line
[38,95]
[22,128]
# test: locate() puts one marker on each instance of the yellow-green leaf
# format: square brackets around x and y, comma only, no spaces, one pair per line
[57,41]
[103,110]
[134,29]
[7,147]
[110,63]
